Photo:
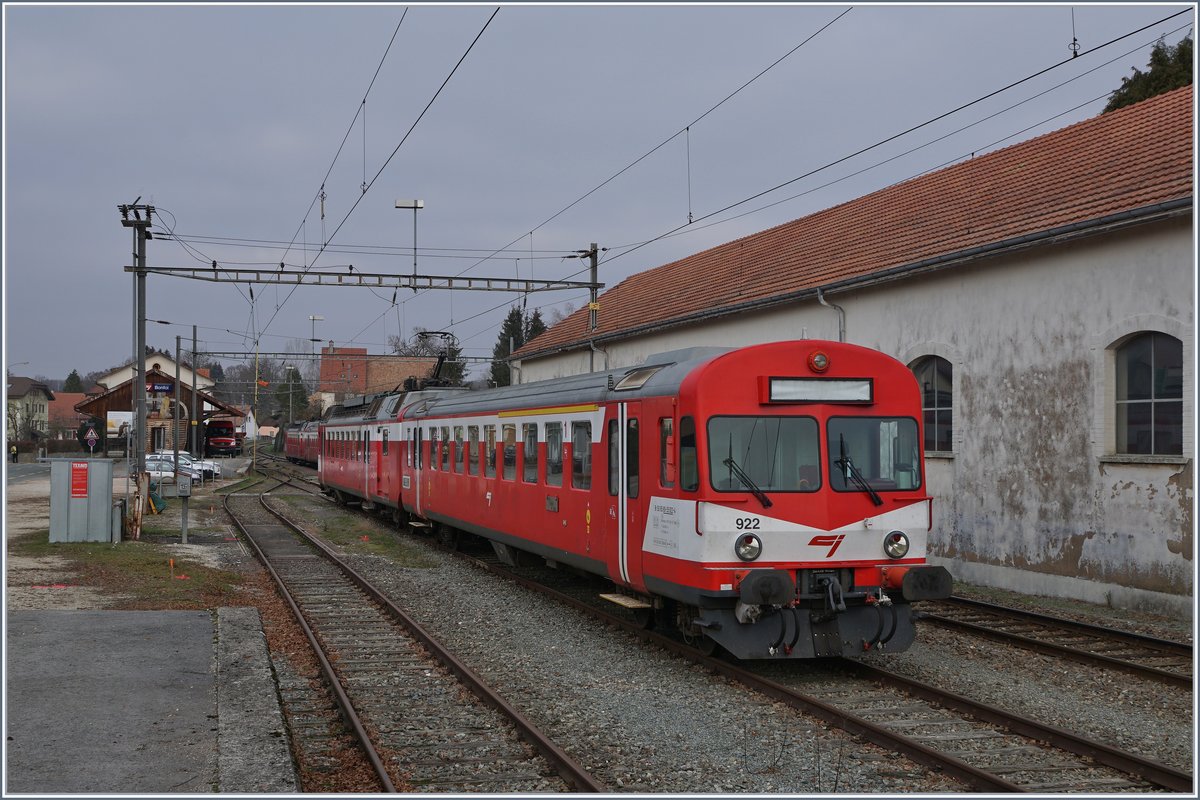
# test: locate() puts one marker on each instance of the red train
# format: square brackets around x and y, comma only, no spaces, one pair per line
[768,499]
[302,443]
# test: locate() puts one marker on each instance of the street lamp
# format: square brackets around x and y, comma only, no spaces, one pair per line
[314,319]
[414,205]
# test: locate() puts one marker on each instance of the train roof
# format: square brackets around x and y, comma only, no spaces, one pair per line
[660,374]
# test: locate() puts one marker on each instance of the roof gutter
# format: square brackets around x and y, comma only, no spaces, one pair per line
[1064,233]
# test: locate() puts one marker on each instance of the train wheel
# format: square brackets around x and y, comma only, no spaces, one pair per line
[399,518]
[685,619]
[447,536]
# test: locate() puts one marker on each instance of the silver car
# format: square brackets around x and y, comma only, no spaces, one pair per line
[163,470]
[210,469]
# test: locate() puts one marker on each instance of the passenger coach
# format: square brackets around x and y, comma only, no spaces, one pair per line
[769,499]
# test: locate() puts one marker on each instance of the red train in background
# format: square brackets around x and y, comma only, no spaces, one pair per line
[767,499]
[301,445]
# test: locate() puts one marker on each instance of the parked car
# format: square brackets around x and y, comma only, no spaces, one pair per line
[162,469]
[211,469]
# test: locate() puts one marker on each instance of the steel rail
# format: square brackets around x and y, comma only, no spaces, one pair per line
[344,704]
[569,769]
[1168,646]
[849,722]
[1178,679]
[1151,771]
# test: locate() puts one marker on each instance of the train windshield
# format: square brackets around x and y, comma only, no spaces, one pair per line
[874,454]
[763,454]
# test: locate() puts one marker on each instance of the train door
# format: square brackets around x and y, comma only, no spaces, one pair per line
[415,446]
[626,500]
[381,464]
[367,463]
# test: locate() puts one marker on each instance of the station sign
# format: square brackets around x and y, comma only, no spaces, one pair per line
[159,388]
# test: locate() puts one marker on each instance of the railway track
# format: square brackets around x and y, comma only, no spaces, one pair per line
[424,719]
[1146,656]
[987,748]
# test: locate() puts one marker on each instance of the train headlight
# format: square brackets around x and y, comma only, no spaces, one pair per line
[818,361]
[748,547]
[895,544]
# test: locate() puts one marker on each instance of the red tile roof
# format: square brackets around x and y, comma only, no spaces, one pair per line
[62,409]
[1130,159]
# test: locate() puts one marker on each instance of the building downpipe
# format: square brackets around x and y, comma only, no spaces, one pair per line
[841,313]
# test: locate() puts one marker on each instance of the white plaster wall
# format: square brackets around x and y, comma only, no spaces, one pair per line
[1030,498]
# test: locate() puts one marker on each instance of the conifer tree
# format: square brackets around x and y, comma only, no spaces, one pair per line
[1169,68]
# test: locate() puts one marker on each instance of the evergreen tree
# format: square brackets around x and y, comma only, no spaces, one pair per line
[518,329]
[534,326]
[512,336]
[73,383]
[1169,68]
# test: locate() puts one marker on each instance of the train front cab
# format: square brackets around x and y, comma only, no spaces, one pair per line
[796,522]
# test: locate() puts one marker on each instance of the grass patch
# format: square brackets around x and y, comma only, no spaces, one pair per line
[240,486]
[356,533]
[138,574]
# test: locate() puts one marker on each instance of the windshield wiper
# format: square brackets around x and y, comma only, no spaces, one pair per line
[744,478]
[845,463]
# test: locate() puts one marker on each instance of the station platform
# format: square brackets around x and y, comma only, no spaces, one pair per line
[142,702]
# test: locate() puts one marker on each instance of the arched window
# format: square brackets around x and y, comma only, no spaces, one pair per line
[1149,395]
[936,378]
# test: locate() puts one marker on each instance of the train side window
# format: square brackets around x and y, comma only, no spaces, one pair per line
[489,453]
[614,461]
[458,449]
[366,439]
[581,455]
[445,447]
[529,453]
[472,449]
[631,457]
[383,439]
[554,455]
[435,449]
[666,453]
[412,446]
[508,436]
[689,473]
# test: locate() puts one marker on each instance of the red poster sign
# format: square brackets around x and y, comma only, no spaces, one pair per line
[79,479]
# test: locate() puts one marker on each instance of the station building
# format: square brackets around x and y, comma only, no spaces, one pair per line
[1042,294]
[168,407]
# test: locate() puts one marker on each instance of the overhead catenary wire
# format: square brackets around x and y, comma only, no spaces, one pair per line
[910,151]
[388,160]
[898,135]
[645,155]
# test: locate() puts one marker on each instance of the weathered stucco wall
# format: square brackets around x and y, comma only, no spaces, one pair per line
[1032,497]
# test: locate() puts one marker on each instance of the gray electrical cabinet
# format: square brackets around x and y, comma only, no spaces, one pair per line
[81,506]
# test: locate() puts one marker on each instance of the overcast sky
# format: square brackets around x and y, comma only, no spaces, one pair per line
[227,119]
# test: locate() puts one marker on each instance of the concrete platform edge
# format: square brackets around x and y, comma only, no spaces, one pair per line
[252,739]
